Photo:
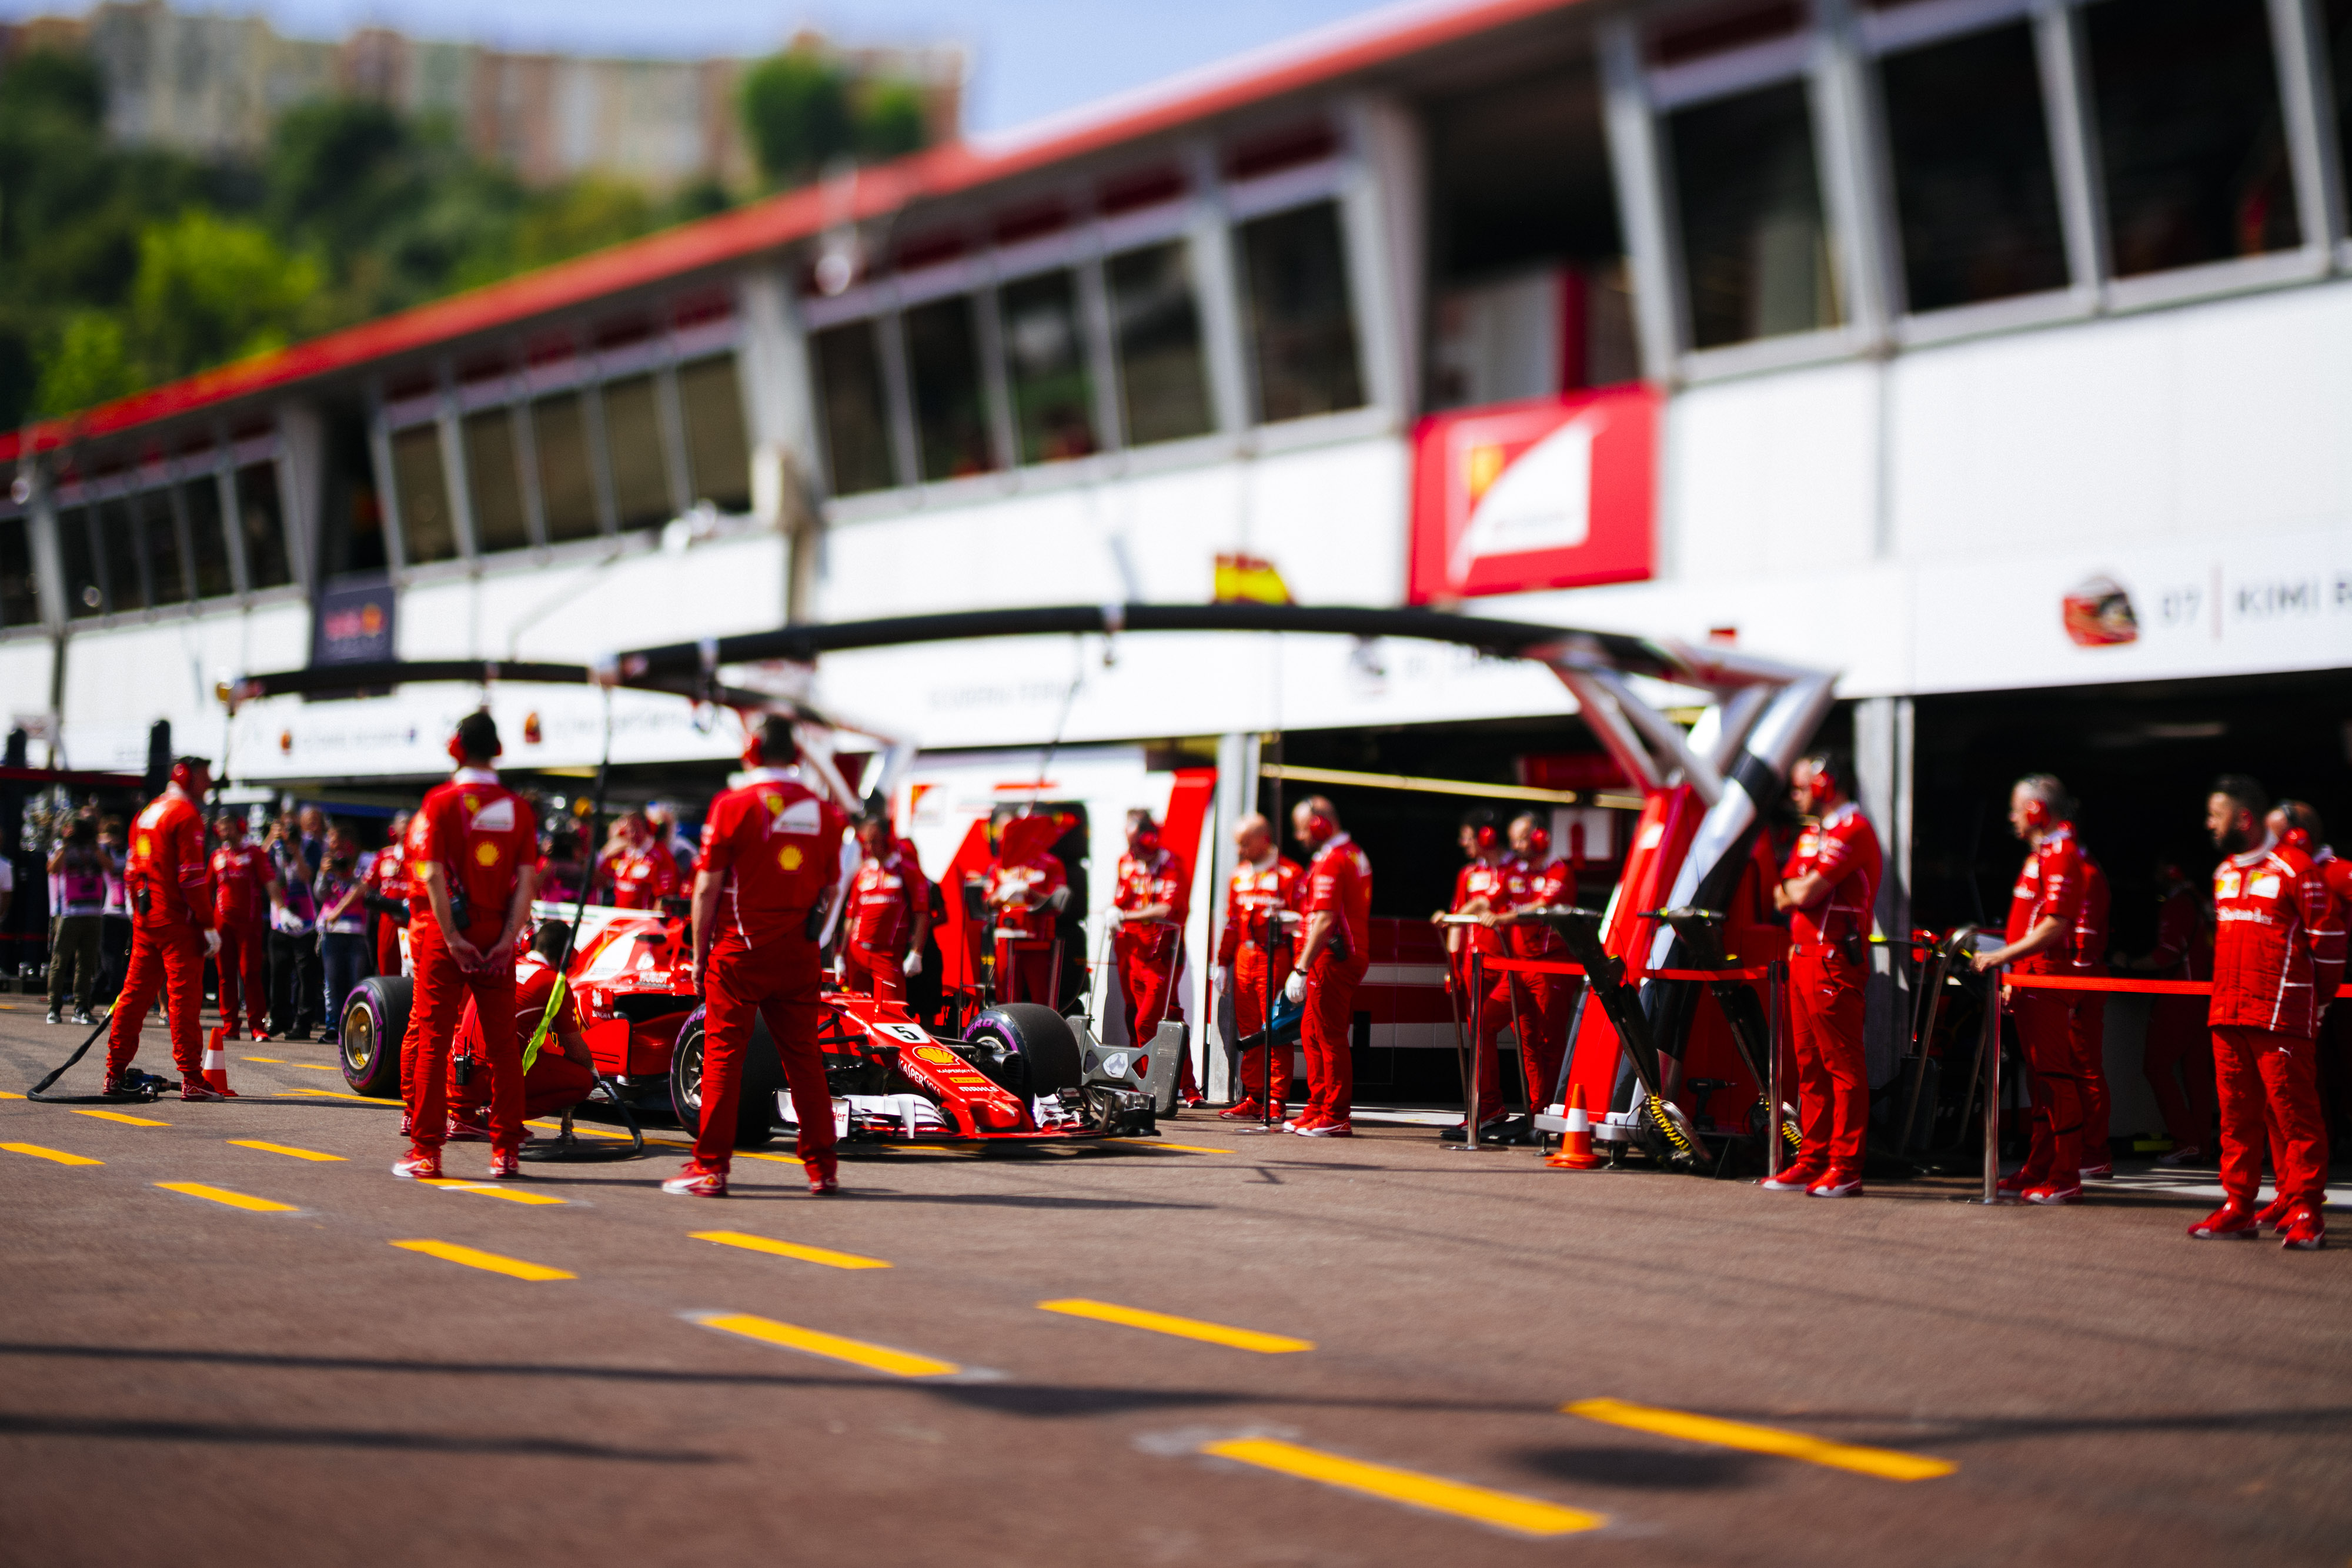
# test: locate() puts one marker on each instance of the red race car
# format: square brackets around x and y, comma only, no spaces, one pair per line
[1020,1074]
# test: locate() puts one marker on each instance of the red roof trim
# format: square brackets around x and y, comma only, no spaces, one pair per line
[780,220]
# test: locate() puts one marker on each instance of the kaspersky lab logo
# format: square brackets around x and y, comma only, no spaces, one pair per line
[2098,614]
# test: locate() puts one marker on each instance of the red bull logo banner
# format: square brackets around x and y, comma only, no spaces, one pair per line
[1558,492]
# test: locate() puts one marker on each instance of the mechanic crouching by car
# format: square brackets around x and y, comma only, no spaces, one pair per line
[1254,962]
[1147,913]
[1332,959]
[168,888]
[558,1071]
[1025,888]
[473,865]
[889,916]
[771,857]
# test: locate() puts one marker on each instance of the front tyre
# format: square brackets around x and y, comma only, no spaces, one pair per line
[375,1020]
[755,1101]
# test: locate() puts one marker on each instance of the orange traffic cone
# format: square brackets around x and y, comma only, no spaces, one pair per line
[216,1065]
[1575,1151]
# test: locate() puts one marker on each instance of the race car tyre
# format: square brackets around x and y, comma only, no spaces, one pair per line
[1039,1035]
[376,1018]
[755,1103]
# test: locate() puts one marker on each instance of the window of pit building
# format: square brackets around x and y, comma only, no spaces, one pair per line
[1302,323]
[350,511]
[1163,376]
[120,566]
[567,477]
[1530,294]
[420,488]
[2193,149]
[952,435]
[2335,24]
[261,517]
[494,477]
[1045,367]
[710,400]
[20,601]
[632,450]
[78,558]
[857,408]
[1976,192]
[158,525]
[199,502]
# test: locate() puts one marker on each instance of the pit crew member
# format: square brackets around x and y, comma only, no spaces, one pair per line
[770,856]
[2278,951]
[1253,961]
[1539,878]
[2043,908]
[388,896]
[639,869]
[242,875]
[1147,913]
[555,1077]
[1828,889]
[1332,959]
[170,892]
[1482,890]
[473,866]
[889,916]
[1025,888]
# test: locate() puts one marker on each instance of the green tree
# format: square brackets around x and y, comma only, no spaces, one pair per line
[90,364]
[891,120]
[796,112]
[210,289]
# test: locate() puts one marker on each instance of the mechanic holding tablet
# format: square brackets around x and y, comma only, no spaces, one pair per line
[770,856]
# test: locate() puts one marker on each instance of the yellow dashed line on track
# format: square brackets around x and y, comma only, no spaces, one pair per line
[118,1116]
[223,1196]
[362,1099]
[1888,1464]
[272,1060]
[59,1156]
[1172,1148]
[314,1067]
[747,1155]
[1182,1328]
[833,1347]
[6,1095]
[1505,1510]
[579,1131]
[489,1189]
[286,1149]
[750,1243]
[472,1257]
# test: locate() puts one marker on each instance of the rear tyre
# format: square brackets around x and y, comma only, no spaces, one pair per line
[755,1101]
[1039,1036]
[375,1019]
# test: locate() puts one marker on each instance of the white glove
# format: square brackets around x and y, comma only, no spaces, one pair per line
[914,964]
[1115,915]
[1294,989]
[1220,979]
[212,941]
[1059,898]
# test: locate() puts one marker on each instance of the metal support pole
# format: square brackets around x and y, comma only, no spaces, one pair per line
[1775,995]
[1477,1003]
[1992,1088]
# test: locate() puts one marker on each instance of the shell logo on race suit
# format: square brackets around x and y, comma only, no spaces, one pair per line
[1556,492]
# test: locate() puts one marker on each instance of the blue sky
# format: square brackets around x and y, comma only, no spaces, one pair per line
[1030,57]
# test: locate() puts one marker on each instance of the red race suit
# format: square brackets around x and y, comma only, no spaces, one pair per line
[484,838]
[241,873]
[2050,886]
[774,849]
[2087,954]
[388,880]
[1021,882]
[643,875]
[553,1082]
[1827,963]
[170,895]
[2278,951]
[1489,1003]
[1260,946]
[883,899]
[1338,881]
[2178,1060]
[1546,1002]
[1148,953]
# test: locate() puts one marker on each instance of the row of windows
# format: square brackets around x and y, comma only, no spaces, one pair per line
[974,382]
[2186,159]
[576,464]
[153,549]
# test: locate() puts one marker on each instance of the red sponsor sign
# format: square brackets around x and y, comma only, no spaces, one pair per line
[1559,492]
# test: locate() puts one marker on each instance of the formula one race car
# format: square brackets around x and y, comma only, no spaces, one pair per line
[1020,1074]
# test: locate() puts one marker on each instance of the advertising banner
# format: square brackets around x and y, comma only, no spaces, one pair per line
[1556,492]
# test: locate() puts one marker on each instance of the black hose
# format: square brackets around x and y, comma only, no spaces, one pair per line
[39,1090]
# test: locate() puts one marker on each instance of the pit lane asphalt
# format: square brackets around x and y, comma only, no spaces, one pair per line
[186,1383]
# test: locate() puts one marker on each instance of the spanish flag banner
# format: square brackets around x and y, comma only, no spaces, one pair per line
[1246,580]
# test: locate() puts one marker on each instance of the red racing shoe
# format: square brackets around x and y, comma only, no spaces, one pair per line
[1247,1111]
[2303,1231]
[2054,1192]
[822,1182]
[1325,1129]
[1837,1184]
[506,1165]
[469,1127]
[695,1181]
[1796,1178]
[2229,1221]
[197,1088]
[418,1165]
[2273,1213]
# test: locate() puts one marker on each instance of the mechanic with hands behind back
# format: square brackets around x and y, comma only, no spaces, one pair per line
[1481,892]
[770,856]
[1828,889]
[2044,908]
[473,865]
[1253,961]
[170,892]
[2278,953]
[1147,916]
[1331,964]
[889,914]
